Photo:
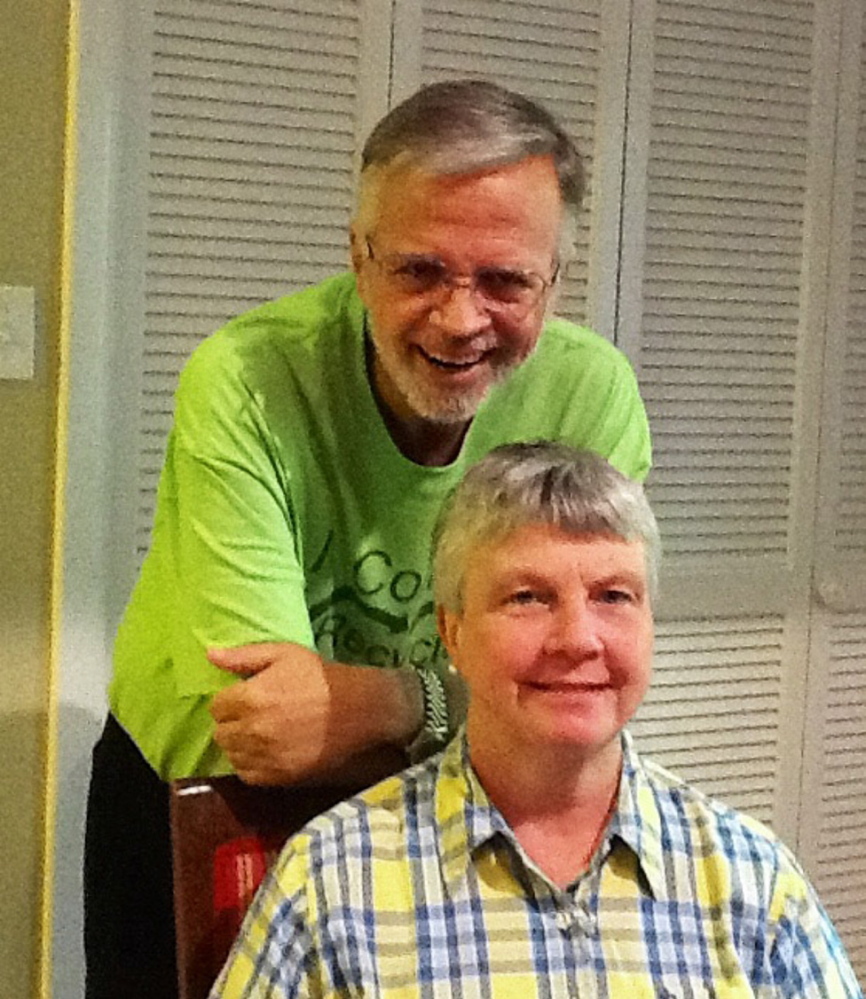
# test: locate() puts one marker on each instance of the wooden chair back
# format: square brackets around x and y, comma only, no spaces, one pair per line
[225,835]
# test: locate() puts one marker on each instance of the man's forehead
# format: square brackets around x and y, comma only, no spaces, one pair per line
[406,175]
[409,171]
[511,215]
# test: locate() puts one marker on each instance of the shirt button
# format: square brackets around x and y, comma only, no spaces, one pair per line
[563,920]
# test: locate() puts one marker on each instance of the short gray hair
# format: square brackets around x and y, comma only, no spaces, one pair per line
[540,482]
[463,126]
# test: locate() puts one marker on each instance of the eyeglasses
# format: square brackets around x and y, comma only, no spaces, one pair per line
[500,289]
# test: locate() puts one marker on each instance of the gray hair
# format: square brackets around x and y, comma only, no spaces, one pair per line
[538,483]
[463,126]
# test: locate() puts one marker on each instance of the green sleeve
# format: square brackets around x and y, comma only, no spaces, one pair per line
[223,569]
[237,564]
[580,388]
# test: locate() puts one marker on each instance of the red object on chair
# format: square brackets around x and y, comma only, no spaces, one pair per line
[225,835]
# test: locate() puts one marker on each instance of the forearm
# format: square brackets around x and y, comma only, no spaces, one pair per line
[386,710]
[297,718]
[400,729]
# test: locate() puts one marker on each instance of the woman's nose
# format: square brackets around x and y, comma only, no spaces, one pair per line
[574,630]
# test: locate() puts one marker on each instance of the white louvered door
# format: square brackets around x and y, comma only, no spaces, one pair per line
[835,831]
[727,229]
[255,117]
[720,118]
[716,286]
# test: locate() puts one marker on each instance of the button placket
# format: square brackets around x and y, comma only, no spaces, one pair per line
[585,891]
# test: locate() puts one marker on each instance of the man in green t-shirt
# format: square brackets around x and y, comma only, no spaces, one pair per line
[313,442]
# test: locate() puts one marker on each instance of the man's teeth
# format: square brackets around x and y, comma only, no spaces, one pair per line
[454,365]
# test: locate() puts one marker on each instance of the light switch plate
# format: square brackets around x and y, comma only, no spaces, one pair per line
[17,331]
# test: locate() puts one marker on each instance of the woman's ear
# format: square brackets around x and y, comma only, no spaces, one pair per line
[448,623]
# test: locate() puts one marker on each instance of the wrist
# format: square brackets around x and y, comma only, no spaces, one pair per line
[432,734]
[392,708]
[409,715]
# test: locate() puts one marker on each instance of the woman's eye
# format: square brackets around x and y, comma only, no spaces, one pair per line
[613,596]
[531,597]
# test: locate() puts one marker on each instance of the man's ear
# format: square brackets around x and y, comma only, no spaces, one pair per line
[358,252]
[356,247]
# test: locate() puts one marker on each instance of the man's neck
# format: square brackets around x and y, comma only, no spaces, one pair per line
[422,441]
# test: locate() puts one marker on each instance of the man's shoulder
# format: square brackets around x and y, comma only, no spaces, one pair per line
[304,321]
[581,376]
[568,352]
[562,337]
[317,305]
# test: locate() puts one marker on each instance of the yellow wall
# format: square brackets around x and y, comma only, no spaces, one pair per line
[32,97]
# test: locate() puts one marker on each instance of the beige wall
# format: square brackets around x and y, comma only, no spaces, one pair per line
[32,57]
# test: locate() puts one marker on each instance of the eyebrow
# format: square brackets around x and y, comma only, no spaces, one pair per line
[519,575]
[408,257]
[637,581]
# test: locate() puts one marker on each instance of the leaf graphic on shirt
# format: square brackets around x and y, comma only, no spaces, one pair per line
[395,623]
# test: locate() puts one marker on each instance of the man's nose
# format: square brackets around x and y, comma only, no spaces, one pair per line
[461,308]
[574,630]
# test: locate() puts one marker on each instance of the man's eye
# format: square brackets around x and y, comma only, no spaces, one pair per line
[524,598]
[503,285]
[421,274]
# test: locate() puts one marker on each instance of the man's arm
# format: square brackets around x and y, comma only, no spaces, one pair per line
[299,718]
[239,579]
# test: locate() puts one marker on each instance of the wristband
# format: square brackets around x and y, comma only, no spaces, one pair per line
[434,730]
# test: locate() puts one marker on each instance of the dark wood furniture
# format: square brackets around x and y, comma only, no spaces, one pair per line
[225,834]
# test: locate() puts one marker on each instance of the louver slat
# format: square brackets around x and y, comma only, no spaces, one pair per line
[841,856]
[712,713]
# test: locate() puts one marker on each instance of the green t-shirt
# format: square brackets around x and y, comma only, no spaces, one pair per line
[286,513]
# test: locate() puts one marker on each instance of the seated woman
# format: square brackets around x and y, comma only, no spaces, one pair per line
[539,854]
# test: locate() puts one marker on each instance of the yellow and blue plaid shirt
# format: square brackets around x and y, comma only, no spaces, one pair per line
[417,889]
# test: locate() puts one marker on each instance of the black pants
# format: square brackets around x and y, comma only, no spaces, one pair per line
[129,938]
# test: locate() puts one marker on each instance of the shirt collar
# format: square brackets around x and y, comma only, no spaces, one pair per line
[467,820]
[637,820]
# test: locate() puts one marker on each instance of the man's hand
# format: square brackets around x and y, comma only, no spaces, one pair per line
[298,718]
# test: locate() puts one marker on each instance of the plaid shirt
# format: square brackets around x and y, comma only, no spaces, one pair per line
[418,888]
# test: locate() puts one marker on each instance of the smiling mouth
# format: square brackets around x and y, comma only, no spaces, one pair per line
[570,688]
[446,365]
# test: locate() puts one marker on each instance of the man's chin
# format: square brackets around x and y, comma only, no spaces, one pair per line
[451,411]
[457,407]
